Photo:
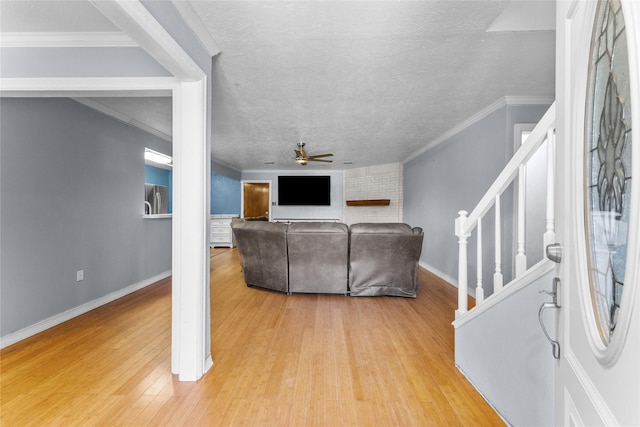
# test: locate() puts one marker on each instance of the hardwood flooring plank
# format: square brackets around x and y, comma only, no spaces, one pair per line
[279,360]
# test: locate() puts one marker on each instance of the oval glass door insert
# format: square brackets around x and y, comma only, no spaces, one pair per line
[608,165]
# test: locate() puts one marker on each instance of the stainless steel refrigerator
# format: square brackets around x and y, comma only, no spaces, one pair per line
[156,199]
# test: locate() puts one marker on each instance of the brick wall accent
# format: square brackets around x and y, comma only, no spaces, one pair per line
[373,182]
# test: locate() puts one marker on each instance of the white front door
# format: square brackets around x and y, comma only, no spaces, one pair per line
[598,381]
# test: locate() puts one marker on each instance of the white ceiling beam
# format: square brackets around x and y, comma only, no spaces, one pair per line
[81,87]
[66,39]
[135,20]
[197,26]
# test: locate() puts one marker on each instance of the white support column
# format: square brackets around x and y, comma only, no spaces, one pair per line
[462,263]
[497,276]
[550,233]
[521,256]
[479,288]
[190,357]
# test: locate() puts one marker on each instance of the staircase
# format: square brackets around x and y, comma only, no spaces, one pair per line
[499,344]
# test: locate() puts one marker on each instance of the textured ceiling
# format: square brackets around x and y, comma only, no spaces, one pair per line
[371,81]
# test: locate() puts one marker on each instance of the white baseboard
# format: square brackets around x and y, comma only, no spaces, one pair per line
[208,364]
[444,276]
[57,319]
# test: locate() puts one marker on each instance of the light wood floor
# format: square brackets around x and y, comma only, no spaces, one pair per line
[300,360]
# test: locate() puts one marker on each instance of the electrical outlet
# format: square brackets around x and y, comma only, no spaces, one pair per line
[79,275]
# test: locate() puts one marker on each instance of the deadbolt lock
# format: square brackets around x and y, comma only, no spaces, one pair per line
[554,252]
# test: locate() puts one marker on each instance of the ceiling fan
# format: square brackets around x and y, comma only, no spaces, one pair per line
[302,157]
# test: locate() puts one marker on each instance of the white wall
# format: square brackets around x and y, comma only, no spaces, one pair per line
[332,212]
[374,182]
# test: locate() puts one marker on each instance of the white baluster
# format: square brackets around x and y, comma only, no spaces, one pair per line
[497,276]
[550,233]
[521,256]
[462,263]
[479,289]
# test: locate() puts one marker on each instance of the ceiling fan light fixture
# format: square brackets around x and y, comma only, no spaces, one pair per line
[302,157]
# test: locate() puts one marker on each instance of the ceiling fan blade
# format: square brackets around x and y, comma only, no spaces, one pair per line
[311,159]
[315,156]
[299,153]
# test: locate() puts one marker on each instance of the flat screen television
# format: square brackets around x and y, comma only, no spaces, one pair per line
[306,190]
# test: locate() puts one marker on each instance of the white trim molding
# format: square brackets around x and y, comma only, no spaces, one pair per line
[537,271]
[125,118]
[444,276]
[67,39]
[502,102]
[190,352]
[134,19]
[93,87]
[57,319]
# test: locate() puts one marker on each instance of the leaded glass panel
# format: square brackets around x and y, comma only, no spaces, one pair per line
[608,164]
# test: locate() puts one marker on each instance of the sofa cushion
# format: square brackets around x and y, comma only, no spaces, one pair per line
[318,257]
[381,228]
[318,227]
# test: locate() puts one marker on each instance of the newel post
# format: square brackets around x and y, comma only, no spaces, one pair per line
[462,262]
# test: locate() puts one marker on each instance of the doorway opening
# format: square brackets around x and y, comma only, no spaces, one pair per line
[256,200]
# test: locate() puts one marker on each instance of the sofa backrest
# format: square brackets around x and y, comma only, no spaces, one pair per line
[318,257]
[384,228]
[325,257]
[263,248]
[383,259]
[318,227]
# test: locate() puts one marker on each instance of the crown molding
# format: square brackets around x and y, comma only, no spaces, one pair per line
[66,39]
[502,102]
[226,165]
[125,118]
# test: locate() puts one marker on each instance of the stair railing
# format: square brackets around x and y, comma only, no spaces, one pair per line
[466,223]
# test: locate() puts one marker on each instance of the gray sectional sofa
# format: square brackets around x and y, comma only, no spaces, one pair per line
[383,259]
[368,259]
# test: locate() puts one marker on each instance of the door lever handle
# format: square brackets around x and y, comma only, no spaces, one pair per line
[555,345]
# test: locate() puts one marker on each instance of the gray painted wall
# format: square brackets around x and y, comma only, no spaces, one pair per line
[72,198]
[513,368]
[78,62]
[453,176]
[303,212]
